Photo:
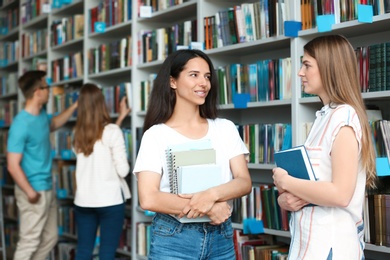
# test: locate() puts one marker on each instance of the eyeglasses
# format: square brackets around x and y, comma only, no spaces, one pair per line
[44,87]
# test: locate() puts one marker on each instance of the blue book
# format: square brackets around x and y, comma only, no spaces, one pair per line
[296,162]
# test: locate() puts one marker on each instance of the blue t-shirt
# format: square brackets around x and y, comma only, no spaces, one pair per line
[30,136]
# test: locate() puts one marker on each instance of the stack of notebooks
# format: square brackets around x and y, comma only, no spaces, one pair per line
[192,168]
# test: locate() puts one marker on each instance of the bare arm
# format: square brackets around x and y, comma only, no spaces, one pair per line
[17,173]
[151,198]
[123,111]
[62,118]
[338,192]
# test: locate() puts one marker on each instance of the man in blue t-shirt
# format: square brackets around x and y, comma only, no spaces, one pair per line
[29,163]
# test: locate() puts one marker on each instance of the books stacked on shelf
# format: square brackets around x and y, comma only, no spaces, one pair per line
[156,6]
[110,12]
[9,52]
[145,89]
[125,239]
[262,140]
[153,44]
[377,214]
[344,12]
[8,84]
[67,29]
[143,238]
[31,9]
[109,56]
[35,42]
[245,23]
[261,246]
[114,94]
[264,80]
[68,67]
[261,204]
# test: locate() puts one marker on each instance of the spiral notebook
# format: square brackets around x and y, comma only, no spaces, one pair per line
[191,153]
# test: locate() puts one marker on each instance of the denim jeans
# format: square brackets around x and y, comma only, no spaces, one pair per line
[172,240]
[110,219]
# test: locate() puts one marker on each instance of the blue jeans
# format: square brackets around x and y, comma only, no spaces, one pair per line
[171,240]
[110,219]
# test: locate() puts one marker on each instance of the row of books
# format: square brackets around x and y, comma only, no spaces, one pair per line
[8,110]
[258,247]
[109,56]
[64,176]
[68,67]
[377,213]
[3,141]
[381,136]
[61,142]
[34,42]
[143,238]
[157,44]
[9,20]
[67,29]
[8,84]
[264,80]
[110,12]
[374,67]
[11,235]
[31,9]
[145,89]
[343,10]
[160,5]
[246,22]
[263,140]
[10,209]
[9,52]
[261,204]
[62,99]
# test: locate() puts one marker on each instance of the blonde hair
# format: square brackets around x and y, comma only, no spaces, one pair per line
[338,68]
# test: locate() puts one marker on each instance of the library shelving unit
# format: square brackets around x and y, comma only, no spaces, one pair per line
[295,110]
[125,37]
[9,66]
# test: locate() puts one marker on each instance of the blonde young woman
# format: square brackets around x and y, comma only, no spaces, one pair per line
[183,107]
[341,152]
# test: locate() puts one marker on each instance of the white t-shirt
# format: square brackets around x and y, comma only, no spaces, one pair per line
[317,230]
[100,176]
[224,137]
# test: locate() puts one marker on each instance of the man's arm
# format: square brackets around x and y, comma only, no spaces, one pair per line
[17,173]
[62,118]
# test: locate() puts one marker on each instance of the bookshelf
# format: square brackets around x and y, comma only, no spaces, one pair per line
[296,110]
[137,68]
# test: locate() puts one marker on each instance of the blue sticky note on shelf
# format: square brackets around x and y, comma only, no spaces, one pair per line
[325,22]
[291,28]
[365,13]
[100,27]
[62,193]
[241,100]
[382,166]
[253,226]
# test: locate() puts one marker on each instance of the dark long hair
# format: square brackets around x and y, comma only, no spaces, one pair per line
[92,117]
[163,98]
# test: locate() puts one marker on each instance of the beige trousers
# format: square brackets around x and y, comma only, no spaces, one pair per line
[38,232]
